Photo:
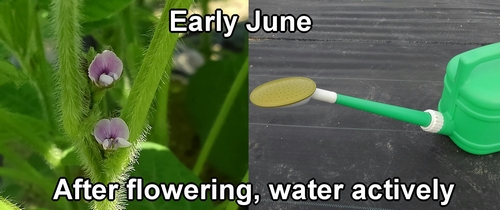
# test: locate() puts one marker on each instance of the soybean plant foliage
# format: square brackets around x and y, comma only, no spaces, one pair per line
[102,90]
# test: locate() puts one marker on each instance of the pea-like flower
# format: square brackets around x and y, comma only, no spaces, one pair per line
[105,69]
[112,133]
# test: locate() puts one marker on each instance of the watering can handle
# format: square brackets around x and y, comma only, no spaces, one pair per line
[470,59]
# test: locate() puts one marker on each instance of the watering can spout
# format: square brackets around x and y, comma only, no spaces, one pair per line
[429,120]
[293,91]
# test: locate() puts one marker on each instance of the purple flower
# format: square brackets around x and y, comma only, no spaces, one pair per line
[105,68]
[112,134]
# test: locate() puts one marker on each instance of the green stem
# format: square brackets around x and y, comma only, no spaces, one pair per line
[160,126]
[73,81]
[7,205]
[140,99]
[221,118]
[88,151]
[75,92]
[74,85]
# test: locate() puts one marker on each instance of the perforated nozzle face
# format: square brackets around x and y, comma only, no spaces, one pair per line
[283,92]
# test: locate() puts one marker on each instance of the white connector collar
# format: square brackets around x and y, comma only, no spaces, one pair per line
[437,121]
[325,95]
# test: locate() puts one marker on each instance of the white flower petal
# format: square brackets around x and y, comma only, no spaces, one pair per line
[105,80]
[115,76]
[121,143]
[105,143]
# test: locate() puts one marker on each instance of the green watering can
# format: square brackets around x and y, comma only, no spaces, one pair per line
[468,112]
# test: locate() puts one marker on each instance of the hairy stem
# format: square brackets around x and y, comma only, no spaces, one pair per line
[136,110]
[73,81]
[87,150]
[74,86]
[7,205]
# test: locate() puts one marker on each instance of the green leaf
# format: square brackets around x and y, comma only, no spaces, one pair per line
[207,91]
[157,164]
[23,173]
[31,132]
[28,171]
[9,73]
[97,10]
[4,52]
[21,35]
[23,100]
[89,27]
[22,126]
[16,26]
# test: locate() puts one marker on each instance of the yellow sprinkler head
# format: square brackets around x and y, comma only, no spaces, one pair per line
[283,92]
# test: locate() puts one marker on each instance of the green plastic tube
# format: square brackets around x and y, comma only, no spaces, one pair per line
[395,112]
